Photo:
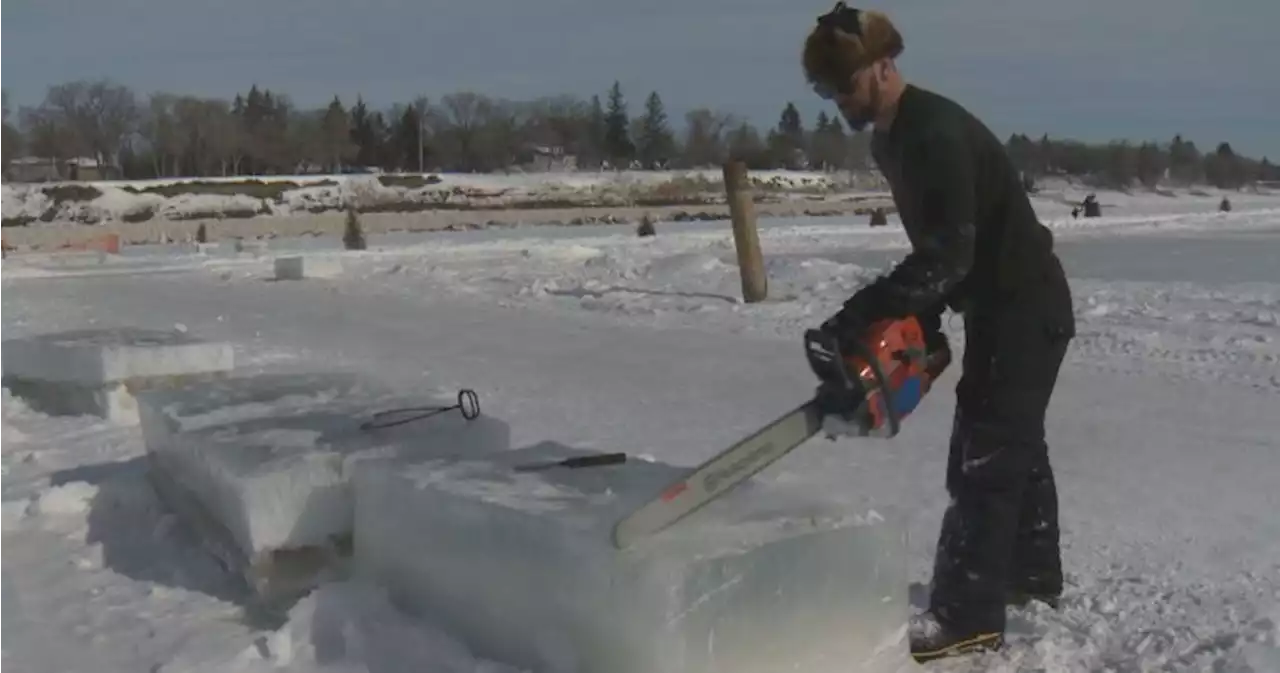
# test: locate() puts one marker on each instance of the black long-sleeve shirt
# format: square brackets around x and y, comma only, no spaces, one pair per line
[977,244]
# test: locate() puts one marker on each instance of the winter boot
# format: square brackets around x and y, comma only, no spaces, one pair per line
[931,638]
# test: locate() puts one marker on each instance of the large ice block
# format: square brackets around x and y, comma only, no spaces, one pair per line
[97,371]
[520,565]
[298,267]
[261,462]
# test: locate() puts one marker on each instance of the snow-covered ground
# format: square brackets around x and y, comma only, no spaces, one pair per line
[1163,431]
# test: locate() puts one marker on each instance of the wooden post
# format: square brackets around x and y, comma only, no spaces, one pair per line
[755,286]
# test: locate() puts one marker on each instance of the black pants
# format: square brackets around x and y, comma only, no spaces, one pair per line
[1001,530]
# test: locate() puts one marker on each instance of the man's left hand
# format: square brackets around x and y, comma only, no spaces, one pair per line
[857,314]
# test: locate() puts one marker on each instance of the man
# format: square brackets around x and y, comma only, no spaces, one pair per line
[978,247]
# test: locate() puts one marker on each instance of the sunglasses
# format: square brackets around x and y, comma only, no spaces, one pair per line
[828,91]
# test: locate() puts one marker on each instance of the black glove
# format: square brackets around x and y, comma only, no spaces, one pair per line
[849,326]
[853,319]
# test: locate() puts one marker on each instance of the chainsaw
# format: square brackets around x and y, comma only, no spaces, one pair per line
[867,387]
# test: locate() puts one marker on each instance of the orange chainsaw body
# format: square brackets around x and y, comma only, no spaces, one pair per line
[885,376]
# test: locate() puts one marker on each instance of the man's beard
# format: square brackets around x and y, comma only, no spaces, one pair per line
[859,118]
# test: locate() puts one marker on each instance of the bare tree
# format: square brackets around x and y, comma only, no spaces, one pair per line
[504,133]
[206,135]
[102,113]
[48,133]
[223,133]
[12,140]
[561,121]
[705,138]
[192,135]
[305,144]
[160,131]
[458,121]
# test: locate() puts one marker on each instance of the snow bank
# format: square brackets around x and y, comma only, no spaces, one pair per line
[520,566]
[260,463]
[97,371]
[195,198]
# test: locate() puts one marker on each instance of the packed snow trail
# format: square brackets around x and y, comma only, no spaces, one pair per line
[1171,546]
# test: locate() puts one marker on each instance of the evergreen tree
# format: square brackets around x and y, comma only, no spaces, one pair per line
[829,147]
[335,136]
[617,137]
[380,136]
[790,125]
[1022,152]
[253,121]
[363,135]
[1223,168]
[656,145]
[1046,156]
[787,142]
[1122,164]
[353,233]
[594,147]
[1151,164]
[1184,160]
[402,152]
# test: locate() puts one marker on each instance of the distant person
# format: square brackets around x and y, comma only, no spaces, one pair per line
[1091,207]
[978,247]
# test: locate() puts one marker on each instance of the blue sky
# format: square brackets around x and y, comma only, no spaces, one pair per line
[1090,69]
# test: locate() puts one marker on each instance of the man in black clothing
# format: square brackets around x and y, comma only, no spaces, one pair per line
[978,248]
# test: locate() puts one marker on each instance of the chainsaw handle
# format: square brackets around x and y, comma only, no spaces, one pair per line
[882,381]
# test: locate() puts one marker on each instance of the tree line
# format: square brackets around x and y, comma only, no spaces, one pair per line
[262,132]
[1123,164]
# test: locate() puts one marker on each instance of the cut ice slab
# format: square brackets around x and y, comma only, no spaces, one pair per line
[96,356]
[260,463]
[298,267]
[521,566]
[96,371]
